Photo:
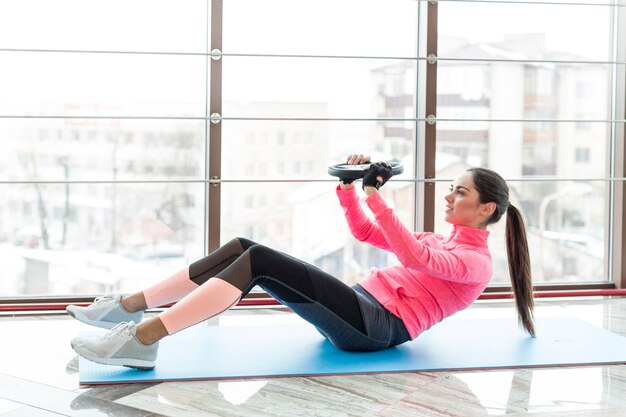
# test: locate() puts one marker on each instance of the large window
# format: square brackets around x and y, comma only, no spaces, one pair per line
[304,85]
[103,143]
[533,94]
[109,145]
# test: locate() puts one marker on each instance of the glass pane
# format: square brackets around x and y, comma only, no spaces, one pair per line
[106,149]
[573,241]
[571,247]
[324,27]
[524,31]
[101,238]
[304,149]
[96,238]
[78,84]
[566,228]
[306,221]
[114,25]
[569,150]
[523,91]
[333,88]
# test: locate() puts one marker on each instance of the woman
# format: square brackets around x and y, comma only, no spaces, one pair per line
[437,277]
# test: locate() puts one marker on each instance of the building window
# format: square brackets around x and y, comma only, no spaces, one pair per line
[582,154]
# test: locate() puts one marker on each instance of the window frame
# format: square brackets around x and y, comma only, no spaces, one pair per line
[425,149]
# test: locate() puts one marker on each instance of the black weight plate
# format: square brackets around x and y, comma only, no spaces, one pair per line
[354,172]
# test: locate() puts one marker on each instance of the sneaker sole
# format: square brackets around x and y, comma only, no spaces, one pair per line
[127,362]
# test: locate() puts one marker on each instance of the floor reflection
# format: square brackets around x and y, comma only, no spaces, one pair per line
[548,390]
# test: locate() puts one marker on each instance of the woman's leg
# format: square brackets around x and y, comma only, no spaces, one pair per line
[208,300]
[321,299]
[188,279]
[347,318]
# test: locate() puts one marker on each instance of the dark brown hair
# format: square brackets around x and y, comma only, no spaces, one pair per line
[492,188]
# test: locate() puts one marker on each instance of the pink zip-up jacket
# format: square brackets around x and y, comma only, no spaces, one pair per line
[437,275]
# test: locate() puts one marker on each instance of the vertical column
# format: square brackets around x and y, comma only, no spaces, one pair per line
[620,276]
[619,186]
[619,236]
[215,127]
[430,110]
[618,265]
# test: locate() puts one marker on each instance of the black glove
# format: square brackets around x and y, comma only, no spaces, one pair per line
[377,169]
[346,180]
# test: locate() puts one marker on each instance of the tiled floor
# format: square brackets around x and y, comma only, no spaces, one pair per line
[39,377]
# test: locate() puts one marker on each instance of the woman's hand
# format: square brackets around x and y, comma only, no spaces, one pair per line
[369,190]
[353,160]
[376,176]
[358,159]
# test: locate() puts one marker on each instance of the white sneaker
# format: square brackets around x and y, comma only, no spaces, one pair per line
[105,312]
[118,346]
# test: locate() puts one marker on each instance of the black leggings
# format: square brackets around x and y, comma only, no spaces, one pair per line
[347,316]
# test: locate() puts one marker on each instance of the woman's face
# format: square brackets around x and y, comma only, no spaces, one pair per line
[463,205]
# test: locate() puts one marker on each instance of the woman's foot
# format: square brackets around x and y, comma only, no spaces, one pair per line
[106,312]
[119,346]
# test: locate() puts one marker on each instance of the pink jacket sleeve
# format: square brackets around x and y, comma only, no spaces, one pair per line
[363,229]
[458,265]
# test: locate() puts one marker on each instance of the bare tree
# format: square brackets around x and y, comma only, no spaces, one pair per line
[27,161]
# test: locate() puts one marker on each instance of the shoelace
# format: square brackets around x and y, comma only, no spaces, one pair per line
[104,298]
[117,329]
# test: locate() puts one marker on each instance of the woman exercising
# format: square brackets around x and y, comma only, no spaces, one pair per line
[437,276]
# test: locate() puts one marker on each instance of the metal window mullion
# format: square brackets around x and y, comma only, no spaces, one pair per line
[611,157]
[432,119]
[215,130]
[319,56]
[420,100]
[618,229]
[293,180]
[533,2]
[418,58]
[430,109]
[314,119]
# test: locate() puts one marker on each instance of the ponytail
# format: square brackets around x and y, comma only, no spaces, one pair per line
[519,268]
[492,188]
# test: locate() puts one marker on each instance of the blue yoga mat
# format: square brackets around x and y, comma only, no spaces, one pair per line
[211,352]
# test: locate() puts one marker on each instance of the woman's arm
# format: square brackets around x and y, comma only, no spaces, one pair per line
[361,226]
[462,265]
[457,265]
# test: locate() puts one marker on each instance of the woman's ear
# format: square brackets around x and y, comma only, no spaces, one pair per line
[487,209]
